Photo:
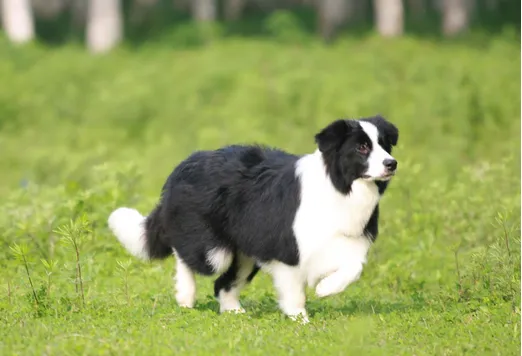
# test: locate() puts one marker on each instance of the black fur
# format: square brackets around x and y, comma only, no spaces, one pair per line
[227,279]
[338,141]
[388,133]
[238,197]
[154,228]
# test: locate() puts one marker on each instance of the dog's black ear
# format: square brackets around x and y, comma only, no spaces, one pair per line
[389,131]
[333,135]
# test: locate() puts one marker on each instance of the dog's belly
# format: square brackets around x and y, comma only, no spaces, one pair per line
[337,252]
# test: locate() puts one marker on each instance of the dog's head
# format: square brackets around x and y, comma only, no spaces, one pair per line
[358,149]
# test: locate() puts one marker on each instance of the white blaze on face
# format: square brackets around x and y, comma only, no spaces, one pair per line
[376,168]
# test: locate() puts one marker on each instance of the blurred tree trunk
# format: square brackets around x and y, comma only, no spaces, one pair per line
[49,9]
[79,14]
[491,5]
[472,8]
[233,9]
[265,5]
[17,20]
[141,10]
[438,5]
[181,5]
[361,9]
[389,17]
[455,16]
[332,15]
[417,9]
[204,10]
[104,25]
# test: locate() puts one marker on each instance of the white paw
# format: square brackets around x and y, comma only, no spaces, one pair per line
[185,301]
[229,302]
[300,317]
[329,286]
[236,310]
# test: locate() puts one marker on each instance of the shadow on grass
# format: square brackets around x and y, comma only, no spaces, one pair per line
[362,307]
[266,304]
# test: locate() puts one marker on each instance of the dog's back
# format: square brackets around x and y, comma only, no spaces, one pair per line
[234,198]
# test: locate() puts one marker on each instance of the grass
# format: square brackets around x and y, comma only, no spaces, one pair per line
[81,135]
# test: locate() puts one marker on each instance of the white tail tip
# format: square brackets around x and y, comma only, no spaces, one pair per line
[128,226]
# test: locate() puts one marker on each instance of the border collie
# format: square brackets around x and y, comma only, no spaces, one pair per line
[305,220]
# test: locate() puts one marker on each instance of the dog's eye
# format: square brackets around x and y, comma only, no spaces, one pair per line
[363,149]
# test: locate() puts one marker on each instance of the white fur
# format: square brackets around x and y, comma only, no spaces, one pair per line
[329,225]
[185,284]
[127,225]
[220,259]
[289,283]
[229,301]
[376,168]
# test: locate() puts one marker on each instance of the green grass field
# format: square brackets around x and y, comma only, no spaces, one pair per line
[81,135]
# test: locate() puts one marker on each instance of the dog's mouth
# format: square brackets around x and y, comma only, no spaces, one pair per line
[386,176]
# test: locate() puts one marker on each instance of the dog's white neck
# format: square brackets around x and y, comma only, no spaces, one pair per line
[331,210]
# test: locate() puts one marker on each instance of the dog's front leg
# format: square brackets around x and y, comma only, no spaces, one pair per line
[290,287]
[339,280]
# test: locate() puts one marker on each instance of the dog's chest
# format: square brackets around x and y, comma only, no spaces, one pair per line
[329,227]
[350,214]
[325,212]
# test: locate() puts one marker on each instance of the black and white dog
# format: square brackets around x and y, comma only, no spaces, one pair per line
[306,220]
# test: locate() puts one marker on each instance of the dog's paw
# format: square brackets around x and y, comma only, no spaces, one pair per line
[329,286]
[300,317]
[235,310]
[227,305]
[185,301]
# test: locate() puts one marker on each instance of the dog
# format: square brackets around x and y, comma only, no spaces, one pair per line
[304,219]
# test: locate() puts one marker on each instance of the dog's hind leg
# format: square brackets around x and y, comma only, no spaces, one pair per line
[252,274]
[228,286]
[185,284]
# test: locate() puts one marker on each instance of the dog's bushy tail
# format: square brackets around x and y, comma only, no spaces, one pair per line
[141,236]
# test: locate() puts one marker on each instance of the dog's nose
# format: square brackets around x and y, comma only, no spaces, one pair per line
[390,164]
